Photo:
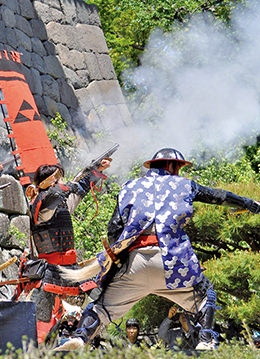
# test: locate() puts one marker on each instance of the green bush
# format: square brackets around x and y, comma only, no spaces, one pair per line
[225,351]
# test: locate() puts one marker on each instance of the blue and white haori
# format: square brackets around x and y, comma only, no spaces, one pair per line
[165,200]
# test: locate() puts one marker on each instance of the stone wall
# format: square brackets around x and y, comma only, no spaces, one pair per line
[67,65]
[66,62]
[14,228]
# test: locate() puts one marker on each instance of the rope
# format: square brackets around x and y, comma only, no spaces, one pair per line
[92,187]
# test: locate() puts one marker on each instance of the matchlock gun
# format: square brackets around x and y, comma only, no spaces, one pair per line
[95,163]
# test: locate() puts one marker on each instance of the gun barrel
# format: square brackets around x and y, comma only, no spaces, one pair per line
[108,153]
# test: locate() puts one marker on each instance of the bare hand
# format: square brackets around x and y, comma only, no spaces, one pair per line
[1,167]
[104,165]
[172,312]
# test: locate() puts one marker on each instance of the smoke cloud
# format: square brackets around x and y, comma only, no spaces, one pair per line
[197,88]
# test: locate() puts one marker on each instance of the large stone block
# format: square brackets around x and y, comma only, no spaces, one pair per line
[12,4]
[50,87]
[64,112]
[36,84]
[50,48]
[71,58]
[10,37]
[92,66]
[42,10]
[40,104]
[23,25]
[73,78]
[69,11]
[56,15]
[23,40]
[12,199]
[38,63]
[106,92]
[39,29]
[11,272]
[38,47]
[8,16]
[87,14]
[85,102]
[27,9]
[53,66]
[26,56]
[2,32]
[63,34]
[106,67]
[91,38]
[67,94]
[84,77]
[51,106]
[4,228]
[56,4]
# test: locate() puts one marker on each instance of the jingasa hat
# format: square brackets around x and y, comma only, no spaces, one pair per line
[168,154]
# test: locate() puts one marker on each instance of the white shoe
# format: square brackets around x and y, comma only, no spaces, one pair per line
[71,344]
[206,345]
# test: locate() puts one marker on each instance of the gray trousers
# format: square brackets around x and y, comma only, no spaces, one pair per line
[142,275]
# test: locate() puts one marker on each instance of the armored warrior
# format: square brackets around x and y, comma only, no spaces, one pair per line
[149,219]
[52,202]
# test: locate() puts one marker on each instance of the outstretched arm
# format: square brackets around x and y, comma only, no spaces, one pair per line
[82,187]
[222,197]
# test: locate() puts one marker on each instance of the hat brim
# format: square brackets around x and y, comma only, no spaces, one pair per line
[182,162]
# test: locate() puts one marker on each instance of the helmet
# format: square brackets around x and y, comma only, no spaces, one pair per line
[168,154]
[132,322]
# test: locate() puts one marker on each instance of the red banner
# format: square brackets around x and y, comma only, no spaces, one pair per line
[18,110]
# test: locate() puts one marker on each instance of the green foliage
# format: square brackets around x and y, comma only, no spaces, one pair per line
[225,351]
[19,236]
[216,170]
[63,143]
[88,232]
[142,311]
[253,155]
[214,229]
[236,278]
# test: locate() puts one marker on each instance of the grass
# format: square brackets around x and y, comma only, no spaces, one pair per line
[225,351]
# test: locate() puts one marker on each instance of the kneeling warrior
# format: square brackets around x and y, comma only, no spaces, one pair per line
[52,202]
[148,223]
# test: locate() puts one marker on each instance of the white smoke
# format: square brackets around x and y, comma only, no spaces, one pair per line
[196,88]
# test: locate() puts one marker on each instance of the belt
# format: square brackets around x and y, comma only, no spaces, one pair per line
[60,258]
[73,291]
[144,241]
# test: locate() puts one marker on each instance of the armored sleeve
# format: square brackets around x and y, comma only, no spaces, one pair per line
[78,190]
[115,226]
[222,197]
[84,184]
